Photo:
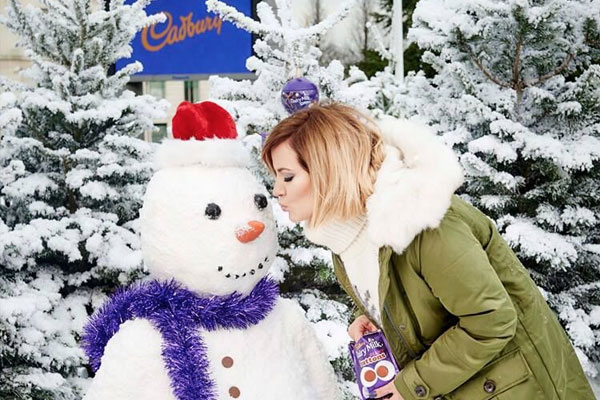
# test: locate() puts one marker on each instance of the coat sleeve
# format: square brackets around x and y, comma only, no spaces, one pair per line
[458,272]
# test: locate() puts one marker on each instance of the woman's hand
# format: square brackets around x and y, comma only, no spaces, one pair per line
[359,327]
[389,389]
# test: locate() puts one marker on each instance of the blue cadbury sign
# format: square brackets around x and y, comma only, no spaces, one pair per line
[191,41]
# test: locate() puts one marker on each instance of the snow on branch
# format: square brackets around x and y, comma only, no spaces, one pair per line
[379,45]
[231,14]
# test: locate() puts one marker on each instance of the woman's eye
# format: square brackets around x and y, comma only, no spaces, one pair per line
[288,178]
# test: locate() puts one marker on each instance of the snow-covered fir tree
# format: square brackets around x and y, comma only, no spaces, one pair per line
[518,96]
[72,174]
[285,50]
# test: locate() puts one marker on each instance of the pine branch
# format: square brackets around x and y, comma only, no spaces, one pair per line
[284,10]
[464,46]
[231,14]
[19,21]
[489,75]
[331,19]
[12,86]
[380,46]
[557,71]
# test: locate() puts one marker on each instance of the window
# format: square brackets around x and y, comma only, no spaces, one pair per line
[191,91]
[141,136]
[156,89]
[160,134]
[135,87]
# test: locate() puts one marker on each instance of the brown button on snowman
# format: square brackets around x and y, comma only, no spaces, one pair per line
[210,324]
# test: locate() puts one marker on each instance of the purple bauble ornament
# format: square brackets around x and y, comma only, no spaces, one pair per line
[299,93]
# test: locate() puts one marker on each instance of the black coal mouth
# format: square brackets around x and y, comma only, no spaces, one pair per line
[230,275]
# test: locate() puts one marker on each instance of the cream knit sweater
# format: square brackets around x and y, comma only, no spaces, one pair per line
[360,256]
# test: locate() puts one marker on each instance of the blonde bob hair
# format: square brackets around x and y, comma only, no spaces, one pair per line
[340,148]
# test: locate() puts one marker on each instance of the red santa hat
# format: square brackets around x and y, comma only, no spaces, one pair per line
[205,134]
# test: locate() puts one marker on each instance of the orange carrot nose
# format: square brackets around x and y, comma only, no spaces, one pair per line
[250,232]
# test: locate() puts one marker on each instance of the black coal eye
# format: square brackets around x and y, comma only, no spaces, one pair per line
[212,211]
[260,200]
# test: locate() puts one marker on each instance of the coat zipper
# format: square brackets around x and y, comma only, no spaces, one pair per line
[404,341]
[357,300]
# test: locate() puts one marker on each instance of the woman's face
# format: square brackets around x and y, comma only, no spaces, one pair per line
[292,183]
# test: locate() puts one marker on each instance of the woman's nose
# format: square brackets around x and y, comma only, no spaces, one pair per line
[277,189]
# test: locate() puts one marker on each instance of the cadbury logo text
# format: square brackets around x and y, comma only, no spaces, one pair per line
[154,41]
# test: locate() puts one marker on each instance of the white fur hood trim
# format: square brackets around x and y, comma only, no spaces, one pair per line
[414,185]
[208,153]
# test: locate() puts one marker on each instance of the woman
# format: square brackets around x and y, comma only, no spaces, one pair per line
[463,318]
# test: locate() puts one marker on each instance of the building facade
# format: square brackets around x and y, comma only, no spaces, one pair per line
[13,60]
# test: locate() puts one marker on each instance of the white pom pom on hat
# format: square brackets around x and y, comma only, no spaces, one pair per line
[203,134]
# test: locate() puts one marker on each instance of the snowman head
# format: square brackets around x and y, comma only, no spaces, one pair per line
[206,220]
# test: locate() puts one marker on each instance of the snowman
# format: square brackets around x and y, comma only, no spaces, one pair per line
[210,324]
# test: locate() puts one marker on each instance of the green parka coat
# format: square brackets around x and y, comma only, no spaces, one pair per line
[462,316]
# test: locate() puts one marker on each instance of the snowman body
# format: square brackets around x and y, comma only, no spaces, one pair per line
[278,358]
[210,228]
[281,352]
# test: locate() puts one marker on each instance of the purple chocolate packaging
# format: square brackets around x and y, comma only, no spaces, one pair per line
[374,364]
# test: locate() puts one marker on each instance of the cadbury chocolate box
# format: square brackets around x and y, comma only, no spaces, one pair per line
[374,364]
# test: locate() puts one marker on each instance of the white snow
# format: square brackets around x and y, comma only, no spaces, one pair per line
[534,242]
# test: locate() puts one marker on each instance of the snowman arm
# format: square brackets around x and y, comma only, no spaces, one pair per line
[321,374]
[132,366]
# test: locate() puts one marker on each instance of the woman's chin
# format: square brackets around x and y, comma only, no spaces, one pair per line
[294,218]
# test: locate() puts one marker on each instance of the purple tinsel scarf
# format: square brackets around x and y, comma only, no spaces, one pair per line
[179,314]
